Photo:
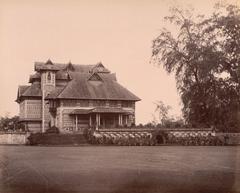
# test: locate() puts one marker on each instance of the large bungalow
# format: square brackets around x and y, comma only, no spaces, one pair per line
[74,97]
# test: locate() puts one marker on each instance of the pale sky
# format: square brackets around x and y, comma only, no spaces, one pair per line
[117,33]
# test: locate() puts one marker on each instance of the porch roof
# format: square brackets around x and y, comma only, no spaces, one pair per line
[109,110]
[100,110]
[80,111]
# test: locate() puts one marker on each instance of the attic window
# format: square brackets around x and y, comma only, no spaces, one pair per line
[95,77]
[100,68]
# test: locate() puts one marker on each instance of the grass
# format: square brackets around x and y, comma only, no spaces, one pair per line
[163,169]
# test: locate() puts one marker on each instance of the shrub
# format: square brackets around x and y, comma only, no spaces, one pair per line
[53,130]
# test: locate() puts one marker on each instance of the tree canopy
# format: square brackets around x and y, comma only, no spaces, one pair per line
[162,110]
[10,123]
[204,55]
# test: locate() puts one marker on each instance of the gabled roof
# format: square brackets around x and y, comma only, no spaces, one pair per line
[81,88]
[99,68]
[89,68]
[63,66]
[69,67]
[41,66]
[82,82]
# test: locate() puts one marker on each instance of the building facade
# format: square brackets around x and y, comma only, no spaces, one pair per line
[73,98]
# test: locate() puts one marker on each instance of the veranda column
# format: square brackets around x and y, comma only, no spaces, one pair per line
[76,123]
[43,109]
[90,120]
[99,120]
[96,121]
[119,119]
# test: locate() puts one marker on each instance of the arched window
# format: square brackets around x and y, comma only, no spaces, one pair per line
[49,78]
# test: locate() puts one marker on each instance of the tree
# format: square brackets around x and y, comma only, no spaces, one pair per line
[10,123]
[204,56]
[162,110]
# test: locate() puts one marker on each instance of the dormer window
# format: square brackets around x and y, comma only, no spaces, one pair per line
[99,68]
[95,77]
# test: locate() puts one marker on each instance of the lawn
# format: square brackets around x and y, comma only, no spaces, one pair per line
[108,169]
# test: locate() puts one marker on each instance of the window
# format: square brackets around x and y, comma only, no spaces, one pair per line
[95,77]
[127,104]
[49,78]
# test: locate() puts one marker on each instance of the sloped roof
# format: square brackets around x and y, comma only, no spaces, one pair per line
[102,85]
[34,77]
[54,94]
[33,90]
[82,88]
[62,75]
[22,89]
[61,66]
